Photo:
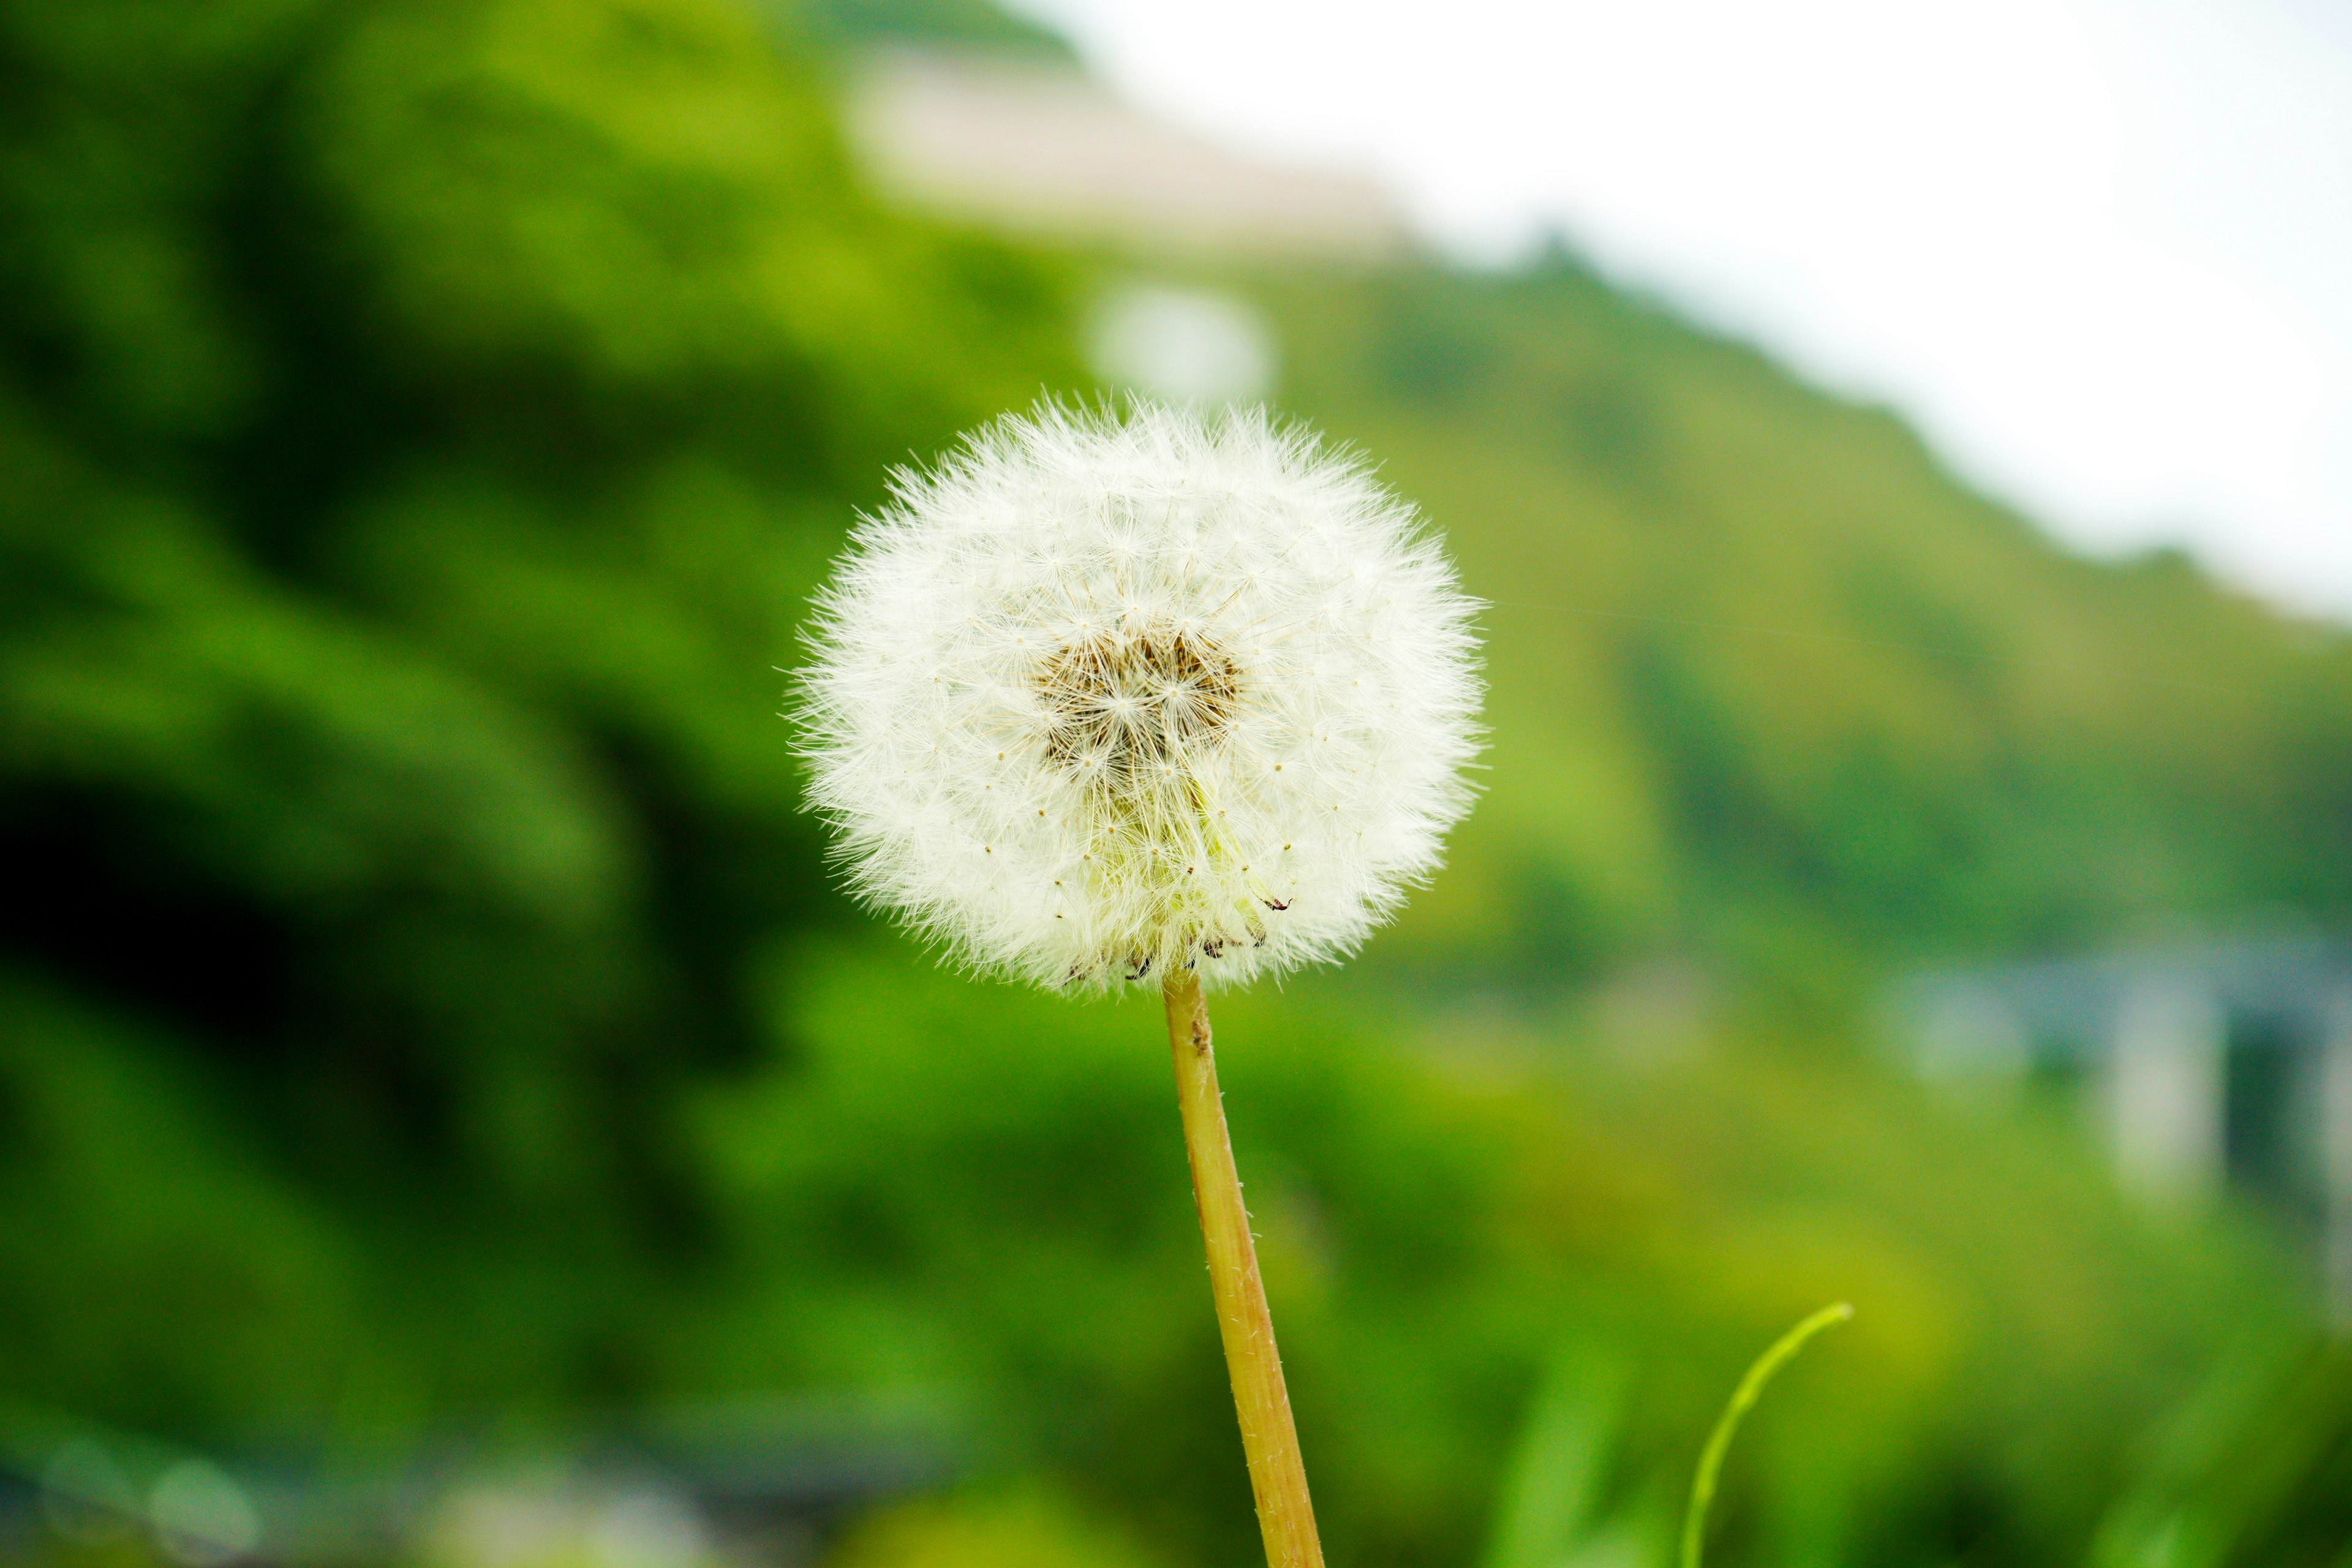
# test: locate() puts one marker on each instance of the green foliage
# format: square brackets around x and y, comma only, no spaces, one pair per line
[954,25]
[1024,1530]
[386,713]
[423,1006]
[121,1187]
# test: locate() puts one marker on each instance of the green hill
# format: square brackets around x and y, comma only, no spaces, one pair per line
[423,1007]
[1769,682]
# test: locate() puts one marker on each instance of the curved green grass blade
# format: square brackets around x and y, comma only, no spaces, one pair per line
[1710,1459]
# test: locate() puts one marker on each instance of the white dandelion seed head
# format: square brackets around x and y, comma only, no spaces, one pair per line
[1102,696]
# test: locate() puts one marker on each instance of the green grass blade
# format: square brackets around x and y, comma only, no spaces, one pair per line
[1563,1457]
[1710,1460]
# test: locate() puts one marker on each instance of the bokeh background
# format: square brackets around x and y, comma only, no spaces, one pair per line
[449,1116]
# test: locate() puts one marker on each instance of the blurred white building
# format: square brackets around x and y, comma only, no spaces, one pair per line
[2211,1064]
[1046,151]
[1042,151]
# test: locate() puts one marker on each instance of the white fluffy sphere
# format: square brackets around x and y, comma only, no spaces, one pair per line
[1100,696]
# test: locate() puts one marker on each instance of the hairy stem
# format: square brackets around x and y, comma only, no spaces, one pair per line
[1269,1437]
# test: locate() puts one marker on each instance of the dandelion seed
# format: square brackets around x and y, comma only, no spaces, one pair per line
[1231,556]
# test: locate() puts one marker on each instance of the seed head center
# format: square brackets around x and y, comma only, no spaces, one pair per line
[1126,706]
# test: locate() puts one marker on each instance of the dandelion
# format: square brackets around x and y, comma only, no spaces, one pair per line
[1161,699]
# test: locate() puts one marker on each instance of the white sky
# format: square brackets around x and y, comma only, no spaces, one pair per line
[2099,250]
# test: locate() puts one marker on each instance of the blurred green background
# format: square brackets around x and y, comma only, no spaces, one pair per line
[438,1077]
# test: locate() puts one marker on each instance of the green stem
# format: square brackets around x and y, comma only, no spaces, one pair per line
[1710,1459]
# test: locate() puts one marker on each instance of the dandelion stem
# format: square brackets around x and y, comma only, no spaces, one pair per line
[1269,1437]
[1710,1460]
